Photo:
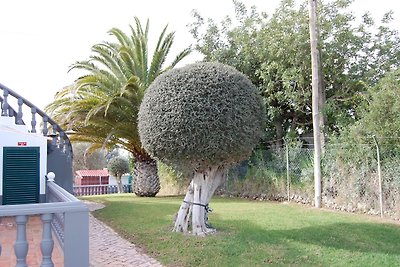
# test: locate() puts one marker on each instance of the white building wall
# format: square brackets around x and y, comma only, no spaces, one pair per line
[12,135]
[113,181]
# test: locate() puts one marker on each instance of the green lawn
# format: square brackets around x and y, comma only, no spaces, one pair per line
[254,234]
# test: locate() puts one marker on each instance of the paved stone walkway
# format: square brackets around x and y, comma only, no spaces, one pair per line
[108,249]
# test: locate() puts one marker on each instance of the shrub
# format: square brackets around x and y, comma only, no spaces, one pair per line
[201,115]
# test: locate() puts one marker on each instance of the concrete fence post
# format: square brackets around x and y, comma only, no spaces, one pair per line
[76,238]
[378,158]
[287,171]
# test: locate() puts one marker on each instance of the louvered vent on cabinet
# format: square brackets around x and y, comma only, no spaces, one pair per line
[21,175]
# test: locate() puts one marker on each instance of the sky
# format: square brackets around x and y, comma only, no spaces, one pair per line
[40,39]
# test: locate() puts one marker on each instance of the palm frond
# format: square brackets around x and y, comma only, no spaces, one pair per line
[123,39]
[101,106]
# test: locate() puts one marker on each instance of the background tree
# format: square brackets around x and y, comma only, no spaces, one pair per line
[117,167]
[201,118]
[85,159]
[274,52]
[101,106]
[380,116]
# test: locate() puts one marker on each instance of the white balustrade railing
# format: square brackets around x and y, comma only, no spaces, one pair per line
[9,98]
[90,190]
[69,218]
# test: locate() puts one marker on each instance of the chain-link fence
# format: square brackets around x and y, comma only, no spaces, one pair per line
[351,177]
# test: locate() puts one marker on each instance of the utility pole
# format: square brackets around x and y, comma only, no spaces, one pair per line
[316,91]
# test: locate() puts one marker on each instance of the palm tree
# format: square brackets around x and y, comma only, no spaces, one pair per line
[101,106]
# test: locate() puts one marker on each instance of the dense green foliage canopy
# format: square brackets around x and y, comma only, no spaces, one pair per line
[274,52]
[201,115]
[118,166]
[380,116]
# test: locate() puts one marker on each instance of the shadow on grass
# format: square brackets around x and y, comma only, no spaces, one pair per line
[355,237]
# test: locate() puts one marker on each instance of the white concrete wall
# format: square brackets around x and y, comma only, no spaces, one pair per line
[11,135]
[113,181]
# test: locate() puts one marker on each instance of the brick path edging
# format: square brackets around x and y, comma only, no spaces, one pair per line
[107,248]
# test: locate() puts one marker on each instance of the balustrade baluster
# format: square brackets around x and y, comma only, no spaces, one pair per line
[10,112]
[33,121]
[54,140]
[69,151]
[62,141]
[19,114]
[47,243]
[45,130]
[69,154]
[21,244]
[5,105]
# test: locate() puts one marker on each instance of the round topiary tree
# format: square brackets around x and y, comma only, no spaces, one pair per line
[202,118]
[117,167]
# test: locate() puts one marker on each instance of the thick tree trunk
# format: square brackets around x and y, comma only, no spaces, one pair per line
[146,182]
[279,133]
[120,188]
[192,215]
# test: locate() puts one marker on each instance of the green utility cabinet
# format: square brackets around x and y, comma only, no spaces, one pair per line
[23,158]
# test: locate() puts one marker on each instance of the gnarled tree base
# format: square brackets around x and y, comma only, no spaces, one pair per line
[191,216]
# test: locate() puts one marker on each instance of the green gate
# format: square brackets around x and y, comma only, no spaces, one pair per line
[21,175]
